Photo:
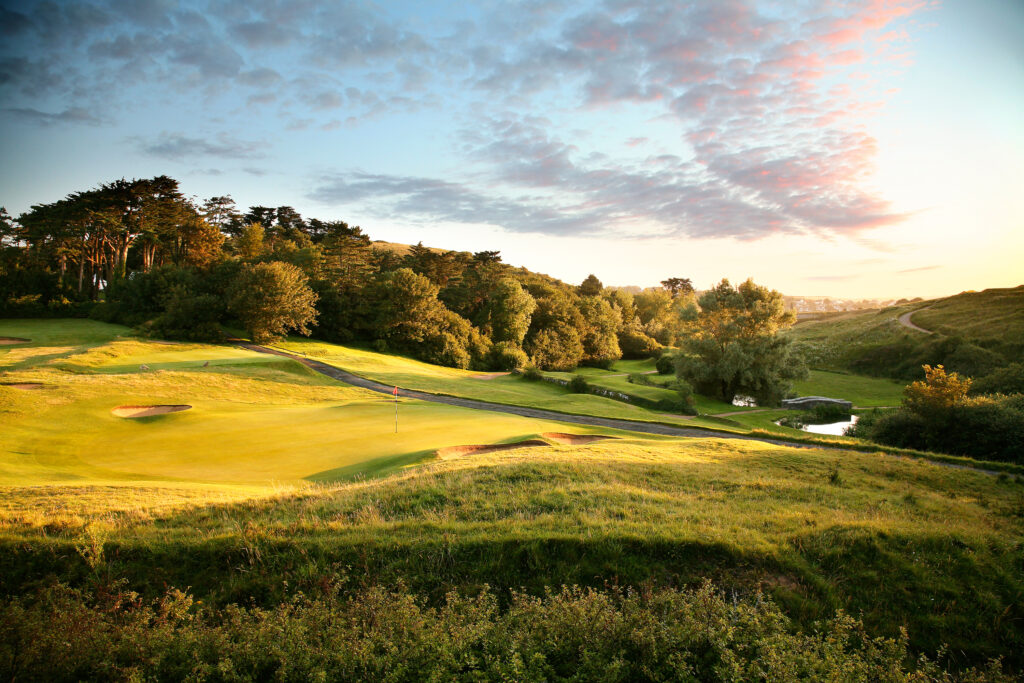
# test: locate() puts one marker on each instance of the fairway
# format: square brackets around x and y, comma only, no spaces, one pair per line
[254,420]
[508,389]
[864,392]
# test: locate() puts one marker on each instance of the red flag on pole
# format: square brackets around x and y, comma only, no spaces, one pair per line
[396,391]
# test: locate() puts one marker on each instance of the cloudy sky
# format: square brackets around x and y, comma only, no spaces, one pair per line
[866,148]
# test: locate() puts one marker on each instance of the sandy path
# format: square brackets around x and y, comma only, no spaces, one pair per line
[906,322]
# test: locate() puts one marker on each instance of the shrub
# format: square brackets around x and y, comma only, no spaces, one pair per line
[579,385]
[507,356]
[568,634]
[666,364]
[192,318]
[1007,380]
[532,374]
[636,345]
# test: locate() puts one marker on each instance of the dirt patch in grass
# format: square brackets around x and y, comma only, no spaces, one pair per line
[27,386]
[147,411]
[490,375]
[574,439]
[476,449]
[7,341]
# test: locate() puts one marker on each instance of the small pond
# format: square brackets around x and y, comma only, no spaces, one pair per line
[832,428]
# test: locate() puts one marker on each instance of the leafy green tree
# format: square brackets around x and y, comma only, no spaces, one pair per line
[736,347]
[222,213]
[591,286]
[249,244]
[270,299]
[600,339]
[8,234]
[557,347]
[409,317]
[509,311]
[678,285]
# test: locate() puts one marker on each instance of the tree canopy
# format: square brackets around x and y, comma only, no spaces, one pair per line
[735,347]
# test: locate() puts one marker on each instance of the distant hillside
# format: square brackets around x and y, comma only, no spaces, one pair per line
[972,333]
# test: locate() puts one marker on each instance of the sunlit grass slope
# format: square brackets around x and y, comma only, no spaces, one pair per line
[509,389]
[256,420]
[995,314]
[993,318]
[903,543]
[865,392]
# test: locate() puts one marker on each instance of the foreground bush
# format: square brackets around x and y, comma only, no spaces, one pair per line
[571,634]
[937,415]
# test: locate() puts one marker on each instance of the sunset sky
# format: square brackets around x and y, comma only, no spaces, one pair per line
[857,149]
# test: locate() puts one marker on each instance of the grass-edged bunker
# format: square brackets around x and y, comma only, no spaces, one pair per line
[148,411]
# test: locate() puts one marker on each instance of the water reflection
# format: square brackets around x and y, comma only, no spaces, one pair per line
[833,428]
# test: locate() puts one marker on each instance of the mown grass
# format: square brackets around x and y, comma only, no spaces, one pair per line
[509,389]
[900,542]
[255,419]
[864,392]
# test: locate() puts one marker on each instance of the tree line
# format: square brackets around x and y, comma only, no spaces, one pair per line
[138,252]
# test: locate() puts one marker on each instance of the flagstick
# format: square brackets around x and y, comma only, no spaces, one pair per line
[396,410]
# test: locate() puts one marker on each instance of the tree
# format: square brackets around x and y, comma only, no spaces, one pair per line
[7,228]
[249,243]
[509,312]
[736,347]
[270,299]
[678,285]
[411,318]
[600,340]
[221,213]
[591,286]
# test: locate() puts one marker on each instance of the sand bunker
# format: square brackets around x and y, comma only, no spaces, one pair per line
[27,386]
[6,341]
[453,451]
[574,439]
[147,411]
[490,375]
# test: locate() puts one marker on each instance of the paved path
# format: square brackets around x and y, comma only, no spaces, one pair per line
[906,322]
[626,425]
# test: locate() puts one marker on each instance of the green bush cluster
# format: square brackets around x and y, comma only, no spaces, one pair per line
[569,634]
[666,364]
[578,385]
[985,427]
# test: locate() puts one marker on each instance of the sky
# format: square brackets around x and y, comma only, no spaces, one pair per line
[864,149]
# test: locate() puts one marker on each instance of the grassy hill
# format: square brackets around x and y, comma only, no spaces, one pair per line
[902,543]
[279,483]
[973,333]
